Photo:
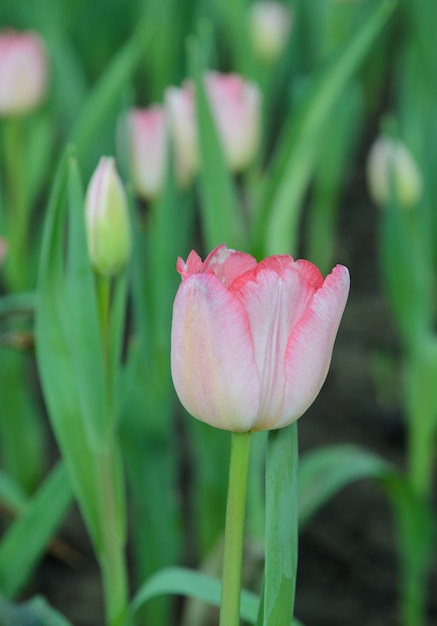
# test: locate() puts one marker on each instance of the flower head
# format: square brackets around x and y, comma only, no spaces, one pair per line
[391,169]
[180,109]
[107,219]
[148,150]
[252,342]
[236,105]
[269,25]
[23,72]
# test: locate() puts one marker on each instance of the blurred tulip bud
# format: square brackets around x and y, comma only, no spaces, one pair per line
[236,105]
[392,169]
[251,342]
[269,26]
[179,104]
[23,72]
[107,219]
[3,249]
[148,150]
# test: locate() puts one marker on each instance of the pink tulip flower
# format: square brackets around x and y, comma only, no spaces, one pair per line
[252,342]
[148,143]
[235,104]
[180,108]
[23,72]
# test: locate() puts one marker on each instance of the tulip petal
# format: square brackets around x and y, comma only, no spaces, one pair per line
[228,264]
[192,266]
[310,346]
[212,359]
[311,273]
[275,302]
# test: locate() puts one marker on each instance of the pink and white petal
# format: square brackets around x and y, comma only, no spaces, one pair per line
[228,264]
[192,266]
[311,273]
[277,262]
[274,305]
[310,346]
[212,355]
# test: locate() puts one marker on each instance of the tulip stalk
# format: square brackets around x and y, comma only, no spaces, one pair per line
[112,558]
[17,219]
[234,530]
[112,561]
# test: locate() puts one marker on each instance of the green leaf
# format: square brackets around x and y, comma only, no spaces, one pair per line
[281,526]
[415,524]
[29,535]
[17,303]
[54,357]
[108,89]
[276,227]
[324,472]
[12,497]
[220,212]
[234,14]
[83,320]
[21,432]
[36,612]
[186,582]
[421,407]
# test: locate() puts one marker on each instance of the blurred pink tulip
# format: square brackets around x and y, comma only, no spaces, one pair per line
[235,104]
[179,104]
[148,143]
[23,72]
[252,342]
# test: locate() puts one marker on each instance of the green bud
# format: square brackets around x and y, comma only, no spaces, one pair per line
[391,168]
[107,220]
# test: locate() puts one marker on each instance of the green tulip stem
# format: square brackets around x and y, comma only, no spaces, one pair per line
[104,302]
[112,557]
[112,505]
[234,530]
[17,217]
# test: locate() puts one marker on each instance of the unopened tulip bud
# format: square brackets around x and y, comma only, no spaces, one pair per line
[236,105]
[148,150]
[23,72]
[107,220]
[180,108]
[269,26]
[391,169]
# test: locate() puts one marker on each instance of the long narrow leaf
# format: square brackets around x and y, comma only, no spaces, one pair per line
[277,223]
[182,581]
[281,526]
[54,358]
[17,303]
[109,87]
[84,330]
[186,582]
[12,496]
[28,536]
[324,472]
[36,612]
